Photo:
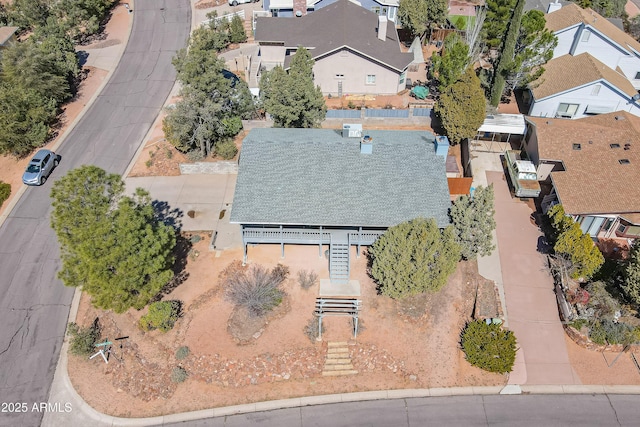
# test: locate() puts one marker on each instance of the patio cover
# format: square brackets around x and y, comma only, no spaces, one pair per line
[504,123]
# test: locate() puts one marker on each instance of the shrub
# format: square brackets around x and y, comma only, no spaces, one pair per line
[194,155]
[307,278]
[597,333]
[5,191]
[179,375]
[182,352]
[489,347]
[83,340]
[413,257]
[604,305]
[256,288]
[609,332]
[162,315]
[311,330]
[226,149]
[579,323]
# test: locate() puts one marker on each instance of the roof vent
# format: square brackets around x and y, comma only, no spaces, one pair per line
[624,161]
[619,118]
[352,130]
[614,145]
[590,142]
[577,147]
[366,145]
[298,13]
[627,146]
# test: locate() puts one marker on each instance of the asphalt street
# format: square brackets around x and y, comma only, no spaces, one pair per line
[34,307]
[534,410]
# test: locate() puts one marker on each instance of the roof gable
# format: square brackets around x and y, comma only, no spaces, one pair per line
[317,177]
[568,72]
[572,15]
[339,24]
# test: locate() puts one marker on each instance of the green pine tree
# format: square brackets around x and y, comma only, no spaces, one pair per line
[291,98]
[473,221]
[414,257]
[462,107]
[112,245]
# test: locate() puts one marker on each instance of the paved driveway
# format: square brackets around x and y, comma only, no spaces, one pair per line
[528,288]
[208,196]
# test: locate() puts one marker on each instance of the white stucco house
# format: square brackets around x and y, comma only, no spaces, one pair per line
[585,31]
[356,51]
[578,86]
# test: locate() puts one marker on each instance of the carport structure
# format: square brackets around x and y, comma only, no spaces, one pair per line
[323,187]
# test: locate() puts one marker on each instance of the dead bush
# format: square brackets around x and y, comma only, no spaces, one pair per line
[311,329]
[255,288]
[307,279]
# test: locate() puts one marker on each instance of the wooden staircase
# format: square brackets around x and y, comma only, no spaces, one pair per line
[248,30]
[338,361]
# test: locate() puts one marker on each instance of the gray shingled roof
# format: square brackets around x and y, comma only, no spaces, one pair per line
[332,27]
[317,177]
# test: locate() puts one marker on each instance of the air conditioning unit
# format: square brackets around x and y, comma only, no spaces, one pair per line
[352,130]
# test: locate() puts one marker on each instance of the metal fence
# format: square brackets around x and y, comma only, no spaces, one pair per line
[422,112]
[388,113]
[378,113]
[344,114]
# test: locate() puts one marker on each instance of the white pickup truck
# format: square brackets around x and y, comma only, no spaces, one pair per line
[523,175]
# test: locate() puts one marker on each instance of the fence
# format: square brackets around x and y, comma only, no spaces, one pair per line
[228,17]
[378,113]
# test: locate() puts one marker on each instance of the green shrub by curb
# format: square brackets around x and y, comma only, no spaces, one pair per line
[489,347]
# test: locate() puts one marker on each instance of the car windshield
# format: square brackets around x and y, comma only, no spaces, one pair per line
[33,168]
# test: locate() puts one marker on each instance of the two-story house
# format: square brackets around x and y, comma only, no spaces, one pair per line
[584,31]
[595,67]
[355,50]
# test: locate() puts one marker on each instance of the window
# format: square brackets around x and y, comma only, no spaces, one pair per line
[339,76]
[392,14]
[376,10]
[621,229]
[595,90]
[371,79]
[637,77]
[607,225]
[567,110]
[585,35]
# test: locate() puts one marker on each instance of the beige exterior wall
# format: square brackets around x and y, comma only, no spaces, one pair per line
[355,69]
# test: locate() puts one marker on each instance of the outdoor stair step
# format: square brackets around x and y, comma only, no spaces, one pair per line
[337,350]
[338,373]
[337,361]
[337,344]
[342,367]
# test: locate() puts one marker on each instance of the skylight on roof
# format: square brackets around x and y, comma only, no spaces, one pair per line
[624,161]
[577,147]
[614,145]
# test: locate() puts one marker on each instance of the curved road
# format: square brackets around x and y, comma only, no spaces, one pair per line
[34,307]
[465,411]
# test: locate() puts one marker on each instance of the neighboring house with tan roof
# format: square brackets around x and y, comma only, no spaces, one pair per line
[579,86]
[583,30]
[7,36]
[355,50]
[594,166]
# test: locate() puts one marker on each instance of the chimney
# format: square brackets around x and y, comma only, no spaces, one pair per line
[554,6]
[382,28]
[366,145]
[299,7]
[442,146]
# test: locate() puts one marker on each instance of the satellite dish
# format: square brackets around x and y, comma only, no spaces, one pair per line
[636,97]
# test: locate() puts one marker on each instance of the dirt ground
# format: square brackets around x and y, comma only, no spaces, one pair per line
[413,344]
